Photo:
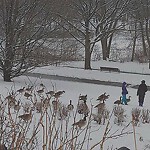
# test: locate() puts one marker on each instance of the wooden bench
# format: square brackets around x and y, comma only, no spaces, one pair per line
[110,69]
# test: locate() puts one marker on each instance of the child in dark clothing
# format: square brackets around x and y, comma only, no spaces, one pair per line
[124,93]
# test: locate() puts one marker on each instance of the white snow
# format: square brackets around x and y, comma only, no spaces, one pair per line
[74,89]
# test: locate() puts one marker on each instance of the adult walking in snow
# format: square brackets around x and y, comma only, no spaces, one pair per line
[124,93]
[142,89]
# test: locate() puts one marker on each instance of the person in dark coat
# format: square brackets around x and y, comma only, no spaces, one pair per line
[124,93]
[142,89]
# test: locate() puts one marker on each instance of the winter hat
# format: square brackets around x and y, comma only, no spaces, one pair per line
[143,81]
[124,83]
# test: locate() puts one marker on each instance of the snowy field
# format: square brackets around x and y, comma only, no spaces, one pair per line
[132,67]
[118,135]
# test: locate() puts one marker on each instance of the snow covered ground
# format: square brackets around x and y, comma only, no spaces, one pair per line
[74,89]
[132,67]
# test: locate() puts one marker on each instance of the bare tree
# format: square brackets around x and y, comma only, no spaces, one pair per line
[95,21]
[109,21]
[140,17]
[146,7]
[79,21]
[23,26]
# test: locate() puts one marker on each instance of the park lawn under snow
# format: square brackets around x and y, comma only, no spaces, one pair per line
[132,67]
[74,89]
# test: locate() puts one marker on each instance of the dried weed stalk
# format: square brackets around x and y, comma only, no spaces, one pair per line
[119,114]
[136,116]
[145,116]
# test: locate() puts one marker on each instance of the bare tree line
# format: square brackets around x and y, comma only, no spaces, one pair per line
[25,25]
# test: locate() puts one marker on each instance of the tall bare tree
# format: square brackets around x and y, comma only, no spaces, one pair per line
[76,20]
[140,16]
[109,20]
[23,26]
[94,21]
[146,7]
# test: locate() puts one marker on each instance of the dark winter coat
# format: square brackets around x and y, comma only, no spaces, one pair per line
[124,89]
[142,89]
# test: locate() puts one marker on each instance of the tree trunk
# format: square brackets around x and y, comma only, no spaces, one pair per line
[6,76]
[104,48]
[113,26]
[143,40]
[134,42]
[9,33]
[87,64]
[109,46]
[133,50]
[148,40]
[87,55]
[7,71]
[7,68]
[87,61]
